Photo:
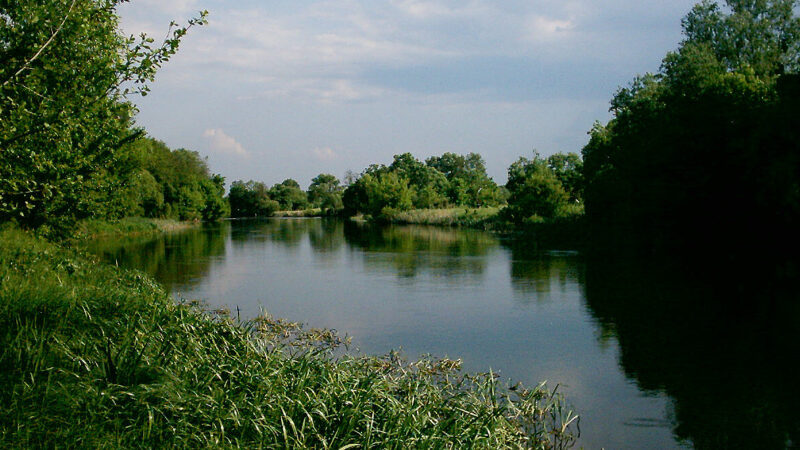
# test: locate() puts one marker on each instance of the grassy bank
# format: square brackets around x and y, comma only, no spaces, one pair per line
[91,355]
[129,226]
[313,212]
[483,218]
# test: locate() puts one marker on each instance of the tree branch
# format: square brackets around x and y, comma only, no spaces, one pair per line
[43,47]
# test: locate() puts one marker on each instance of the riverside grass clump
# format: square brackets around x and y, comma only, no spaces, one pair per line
[127,227]
[95,356]
[485,217]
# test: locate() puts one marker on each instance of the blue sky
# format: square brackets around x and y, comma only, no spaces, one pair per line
[280,89]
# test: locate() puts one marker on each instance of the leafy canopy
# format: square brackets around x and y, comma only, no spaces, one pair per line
[66,76]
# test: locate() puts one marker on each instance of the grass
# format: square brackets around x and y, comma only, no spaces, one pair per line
[129,226]
[313,212]
[95,356]
[459,217]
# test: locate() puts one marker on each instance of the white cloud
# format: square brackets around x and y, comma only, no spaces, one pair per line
[324,153]
[221,143]
[541,28]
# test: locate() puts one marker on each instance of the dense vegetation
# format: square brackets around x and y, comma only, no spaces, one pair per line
[158,182]
[66,76]
[705,152]
[448,180]
[93,356]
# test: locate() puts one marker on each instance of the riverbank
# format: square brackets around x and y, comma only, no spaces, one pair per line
[313,212]
[129,226]
[96,356]
[481,218]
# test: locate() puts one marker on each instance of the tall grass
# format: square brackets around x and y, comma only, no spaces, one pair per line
[95,356]
[128,226]
[459,217]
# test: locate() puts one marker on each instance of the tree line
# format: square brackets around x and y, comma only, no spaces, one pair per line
[538,188]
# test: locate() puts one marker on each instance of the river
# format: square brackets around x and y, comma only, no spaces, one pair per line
[643,359]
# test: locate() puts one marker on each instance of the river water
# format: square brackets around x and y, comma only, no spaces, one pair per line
[644,362]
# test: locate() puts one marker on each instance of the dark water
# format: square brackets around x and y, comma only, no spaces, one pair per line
[648,359]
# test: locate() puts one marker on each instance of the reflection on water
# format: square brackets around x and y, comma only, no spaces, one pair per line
[413,250]
[649,359]
[721,351]
[173,258]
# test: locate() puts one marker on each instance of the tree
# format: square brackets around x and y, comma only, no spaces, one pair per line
[250,199]
[704,152]
[468,181]
[429,185]
[289,195]
[535,191]
[325,192]
[65,77]
[568,168]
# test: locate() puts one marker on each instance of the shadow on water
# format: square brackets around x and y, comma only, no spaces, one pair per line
[722,350]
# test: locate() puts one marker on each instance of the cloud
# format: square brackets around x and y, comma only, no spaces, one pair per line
[324,153]
[541,28]
[223,144]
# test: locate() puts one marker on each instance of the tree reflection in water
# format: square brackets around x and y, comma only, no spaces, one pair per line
[724,351]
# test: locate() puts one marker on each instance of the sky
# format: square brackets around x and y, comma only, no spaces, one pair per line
[277,89]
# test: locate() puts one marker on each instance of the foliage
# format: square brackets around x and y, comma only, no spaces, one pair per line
[251,199]
[429,186]
[536,193]
[325,192]
[442,181]
[469,185]
[65,72]
[706,151]
[99,357]
[380,194]
[159,182]
[289,195]
[568,169]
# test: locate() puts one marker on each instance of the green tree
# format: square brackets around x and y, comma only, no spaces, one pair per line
[535,191]
[429,185]
[289,195]
[65,75]
[469,184]
[250,199]
[710,139]
[568,168]
[325,192]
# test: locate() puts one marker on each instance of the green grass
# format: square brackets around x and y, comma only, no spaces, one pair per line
[129,226]
[312,212]
[95,356]
[458,217]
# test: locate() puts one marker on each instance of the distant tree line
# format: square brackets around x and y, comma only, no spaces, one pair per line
[254,199]
[538,189]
